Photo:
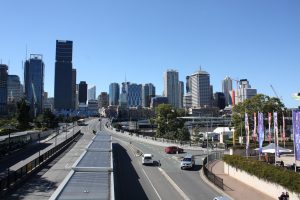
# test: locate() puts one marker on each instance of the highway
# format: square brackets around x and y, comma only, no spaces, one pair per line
[167,181]
[132,179]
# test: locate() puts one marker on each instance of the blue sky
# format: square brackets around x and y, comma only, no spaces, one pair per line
[258,40]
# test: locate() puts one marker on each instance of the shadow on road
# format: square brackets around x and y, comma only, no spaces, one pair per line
[127,185]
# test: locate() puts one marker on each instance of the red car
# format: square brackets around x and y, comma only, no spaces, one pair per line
[173,149]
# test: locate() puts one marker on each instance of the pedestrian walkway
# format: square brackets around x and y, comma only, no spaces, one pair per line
[235,188]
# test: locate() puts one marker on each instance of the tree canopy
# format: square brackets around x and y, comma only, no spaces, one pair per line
[169,125]
[258,103]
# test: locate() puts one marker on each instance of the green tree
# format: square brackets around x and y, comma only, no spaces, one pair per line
[169,125]
[23,114]
[258,103]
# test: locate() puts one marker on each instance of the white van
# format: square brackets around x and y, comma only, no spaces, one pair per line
[147,159]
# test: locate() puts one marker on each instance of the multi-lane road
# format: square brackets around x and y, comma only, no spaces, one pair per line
[165,182]
[132,179]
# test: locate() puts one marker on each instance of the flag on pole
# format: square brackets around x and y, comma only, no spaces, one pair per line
[247,134]
[276,134]
[254,135]
[269,121]
[296,132]
[260,131]
[283,129]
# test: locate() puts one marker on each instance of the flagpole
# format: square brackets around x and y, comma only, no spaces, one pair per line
[294,131]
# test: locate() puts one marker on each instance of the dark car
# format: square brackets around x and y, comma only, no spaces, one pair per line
[173,149]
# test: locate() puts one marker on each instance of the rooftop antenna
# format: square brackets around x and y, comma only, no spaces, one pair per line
[200,68]
[125,78]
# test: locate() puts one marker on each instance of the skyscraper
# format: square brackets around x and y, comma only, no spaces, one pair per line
[187,87]
[82,92]
[148,91]
[226,88]
[171,87]
[219,100]
[92,93]
[181,93]
[245,91]
[201,89]
[14,90]
[103,100]
[73,89]
[114,92]
[63,75]
[133,93]
[34,83]
[3,89]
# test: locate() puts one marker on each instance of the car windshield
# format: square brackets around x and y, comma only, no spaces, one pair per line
[187,159]
[147,158]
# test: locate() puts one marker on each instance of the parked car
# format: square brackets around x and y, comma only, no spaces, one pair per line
[173,149]
[187,162]
[147,159]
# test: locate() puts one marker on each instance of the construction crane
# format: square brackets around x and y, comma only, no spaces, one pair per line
[280,98]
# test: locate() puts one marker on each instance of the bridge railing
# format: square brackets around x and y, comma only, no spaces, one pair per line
[13,178]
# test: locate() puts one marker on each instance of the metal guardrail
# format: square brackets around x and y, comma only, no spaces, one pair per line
[14,178]
[210,175]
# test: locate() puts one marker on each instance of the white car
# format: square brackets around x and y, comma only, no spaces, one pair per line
[147,159]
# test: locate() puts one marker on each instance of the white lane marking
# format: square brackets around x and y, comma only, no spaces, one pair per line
[182,194]
[151,184]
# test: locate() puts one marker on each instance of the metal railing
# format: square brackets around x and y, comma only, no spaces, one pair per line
[14,178]
[208,173]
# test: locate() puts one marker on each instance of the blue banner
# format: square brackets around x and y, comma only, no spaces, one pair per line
[296,132]
[260,131]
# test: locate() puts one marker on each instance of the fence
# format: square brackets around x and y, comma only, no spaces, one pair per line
[14,178]
[211,176]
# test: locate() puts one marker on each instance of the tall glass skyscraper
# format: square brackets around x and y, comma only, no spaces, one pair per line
[114,92]
[226,88]
[133,93]
[74,101]
[63,75]
[34,82]
[3,89]
[181,93]
[14,88]
[92,93]
[148,91]
[171,90]
[82,92]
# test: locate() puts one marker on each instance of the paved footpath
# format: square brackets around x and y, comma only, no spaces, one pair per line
[42,185]
[234,188]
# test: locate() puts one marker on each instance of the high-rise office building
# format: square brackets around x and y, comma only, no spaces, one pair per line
[181,93]
[201,89]
[133,93]
[187,86]
[114,93]
[74,89]
[3,89]
[245,91]
[82,92]
[63,76]
[219,100]
[171,90]
[103,100]
[226,88]
[34,83]
[148,91]
[14,90]
[92,93]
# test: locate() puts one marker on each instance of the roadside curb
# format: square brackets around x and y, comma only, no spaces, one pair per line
[203,177]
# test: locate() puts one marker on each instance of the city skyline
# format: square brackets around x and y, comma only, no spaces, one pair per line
[113,42]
